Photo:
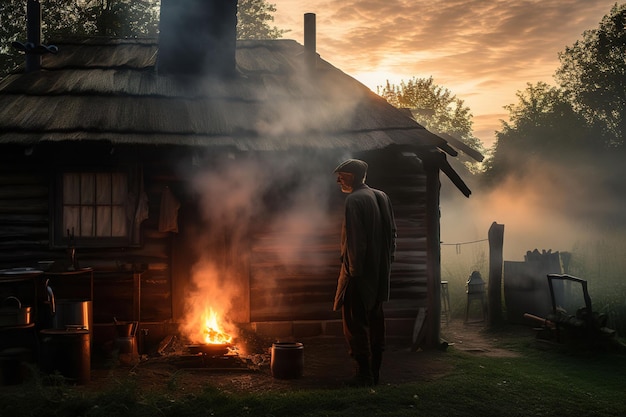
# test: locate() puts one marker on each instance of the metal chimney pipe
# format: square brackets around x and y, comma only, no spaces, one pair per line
[33,34]
[310,47]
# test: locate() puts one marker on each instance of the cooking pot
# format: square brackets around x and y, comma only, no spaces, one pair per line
[70,313]
[13,314]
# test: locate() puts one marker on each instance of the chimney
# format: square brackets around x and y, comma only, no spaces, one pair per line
[197,37]
[310,45]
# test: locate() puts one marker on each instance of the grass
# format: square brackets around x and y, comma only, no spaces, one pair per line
[539,382]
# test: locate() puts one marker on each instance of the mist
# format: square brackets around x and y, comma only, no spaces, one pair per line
[555,205]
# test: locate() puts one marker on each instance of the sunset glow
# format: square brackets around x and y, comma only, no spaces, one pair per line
[484,53]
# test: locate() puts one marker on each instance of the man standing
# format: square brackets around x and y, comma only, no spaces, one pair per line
[368,241]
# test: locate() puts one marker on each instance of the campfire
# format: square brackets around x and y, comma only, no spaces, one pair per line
[211,338]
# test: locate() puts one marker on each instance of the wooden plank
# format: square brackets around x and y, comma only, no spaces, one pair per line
[419,328]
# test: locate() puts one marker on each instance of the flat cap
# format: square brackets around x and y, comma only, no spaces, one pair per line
[353,166]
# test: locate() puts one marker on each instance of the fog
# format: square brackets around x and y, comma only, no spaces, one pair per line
[555,205]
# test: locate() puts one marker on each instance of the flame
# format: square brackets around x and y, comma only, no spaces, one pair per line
[213,332]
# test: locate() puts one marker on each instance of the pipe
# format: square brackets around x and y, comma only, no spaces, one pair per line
[33,32]
[310,46]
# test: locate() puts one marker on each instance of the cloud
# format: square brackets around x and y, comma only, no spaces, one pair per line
[500,44]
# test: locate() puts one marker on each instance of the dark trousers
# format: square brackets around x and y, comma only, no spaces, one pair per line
[363,329]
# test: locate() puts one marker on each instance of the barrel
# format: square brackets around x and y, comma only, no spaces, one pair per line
[13,365]
[68,352]
[287,360]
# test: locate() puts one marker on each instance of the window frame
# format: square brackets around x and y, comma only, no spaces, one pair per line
[59,237]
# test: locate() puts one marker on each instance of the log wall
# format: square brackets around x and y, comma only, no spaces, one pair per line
[26,184]
[305,290]
[302,289]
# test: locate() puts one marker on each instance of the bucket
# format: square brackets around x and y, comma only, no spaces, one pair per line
[68,352]
[126,342]
[72,313]
[287,360]
[128,353]
[13,368]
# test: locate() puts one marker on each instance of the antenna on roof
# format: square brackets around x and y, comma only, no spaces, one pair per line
[33,47]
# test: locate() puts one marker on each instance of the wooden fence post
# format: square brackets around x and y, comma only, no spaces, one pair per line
[496,260]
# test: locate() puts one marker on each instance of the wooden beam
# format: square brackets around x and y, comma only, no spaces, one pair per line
[494,289]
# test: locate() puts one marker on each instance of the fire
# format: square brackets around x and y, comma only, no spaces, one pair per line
[213,333]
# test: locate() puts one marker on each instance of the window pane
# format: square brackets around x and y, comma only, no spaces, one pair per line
[103,221]
[87,188]
[70,188]
[120,188]
[70,219]
[119,222]
[87,226]
[94,205]
[103,188]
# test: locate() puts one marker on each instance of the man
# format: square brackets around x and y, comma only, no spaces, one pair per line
[368,240]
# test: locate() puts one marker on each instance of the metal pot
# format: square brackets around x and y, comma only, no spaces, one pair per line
[72,314]
[14,315]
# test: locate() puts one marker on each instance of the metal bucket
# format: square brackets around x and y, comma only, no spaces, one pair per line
[13,313]
[13,365]
[287,360]
[73,314]
[68,352]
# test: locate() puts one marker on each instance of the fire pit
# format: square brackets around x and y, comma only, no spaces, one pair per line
[210,349]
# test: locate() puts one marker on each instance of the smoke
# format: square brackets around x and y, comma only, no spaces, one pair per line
[281,199]
[554,205]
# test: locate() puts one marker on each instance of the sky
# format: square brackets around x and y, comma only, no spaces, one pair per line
[483,51]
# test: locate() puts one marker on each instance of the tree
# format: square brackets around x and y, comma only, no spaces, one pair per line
[253,19]
[115,18]
[544,126]
[593,75]
[434,107]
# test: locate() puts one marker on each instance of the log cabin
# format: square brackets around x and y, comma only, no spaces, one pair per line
[197,168]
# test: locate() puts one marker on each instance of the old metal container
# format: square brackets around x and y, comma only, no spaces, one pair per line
[72,313]
[12,313]
[287,360]
[68,352]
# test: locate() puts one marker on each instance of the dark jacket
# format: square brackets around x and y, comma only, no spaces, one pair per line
[368,241]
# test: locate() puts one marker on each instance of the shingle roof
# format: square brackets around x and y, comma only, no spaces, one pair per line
[108,89]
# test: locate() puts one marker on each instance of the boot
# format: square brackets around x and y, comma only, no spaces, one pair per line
[377,359]
[363,373]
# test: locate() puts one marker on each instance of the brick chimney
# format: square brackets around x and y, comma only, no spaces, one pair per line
[197,37]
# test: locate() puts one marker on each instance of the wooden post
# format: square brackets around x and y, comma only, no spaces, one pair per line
[496,260]
[432,322]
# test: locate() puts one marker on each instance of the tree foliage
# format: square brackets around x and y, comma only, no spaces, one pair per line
[114,18]
[543,125]
[593,75]
[253,20]
[580,120]
[433,106]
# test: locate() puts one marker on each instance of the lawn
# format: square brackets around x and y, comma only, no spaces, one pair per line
[538,380]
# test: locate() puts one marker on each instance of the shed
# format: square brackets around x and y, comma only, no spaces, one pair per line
[180,183]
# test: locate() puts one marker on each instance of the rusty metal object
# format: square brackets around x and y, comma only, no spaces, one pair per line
[211,349]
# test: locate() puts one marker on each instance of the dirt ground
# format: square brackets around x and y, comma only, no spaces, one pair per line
[326,365]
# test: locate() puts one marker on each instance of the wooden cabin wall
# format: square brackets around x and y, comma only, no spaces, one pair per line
[302,289]
[305,288]
[25,196]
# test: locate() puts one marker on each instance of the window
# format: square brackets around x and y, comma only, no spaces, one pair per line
[92,209]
